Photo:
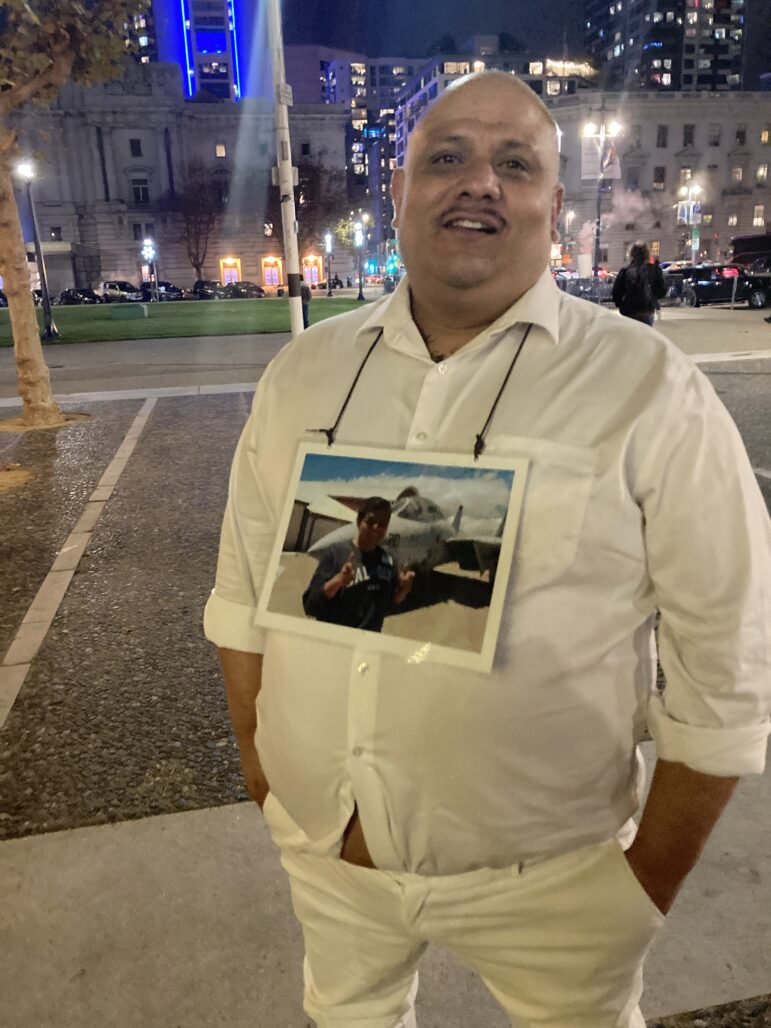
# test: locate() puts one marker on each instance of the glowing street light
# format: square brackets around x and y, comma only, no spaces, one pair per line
[358,242]
[602,134]
[150,255]
[26,172]
[328,250]
[689,192]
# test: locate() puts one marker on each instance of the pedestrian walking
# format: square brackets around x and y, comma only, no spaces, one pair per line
[639,286]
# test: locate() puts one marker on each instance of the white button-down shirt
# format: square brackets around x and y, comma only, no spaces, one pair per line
[639,496]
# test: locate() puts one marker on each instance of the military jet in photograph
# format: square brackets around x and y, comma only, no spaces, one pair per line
[422,536]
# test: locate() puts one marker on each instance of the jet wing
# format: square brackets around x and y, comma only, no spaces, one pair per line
[475,553]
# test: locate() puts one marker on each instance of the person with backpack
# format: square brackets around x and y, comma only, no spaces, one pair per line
[639,286]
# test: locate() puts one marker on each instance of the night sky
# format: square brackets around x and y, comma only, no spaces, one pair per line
[406,28]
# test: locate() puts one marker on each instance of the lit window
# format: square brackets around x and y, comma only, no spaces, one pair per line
[552,87]
[733,220]
[220,150]
[536,68]
[737,174]
[666,79]
[691,17]
[656,247]
[143,40]
[758,216]
[706,217]
[140,190]
[145,59]
[685,174]
[765,135]
[761,175]
[267,228]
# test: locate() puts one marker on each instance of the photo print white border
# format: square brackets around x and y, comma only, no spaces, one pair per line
[414,651]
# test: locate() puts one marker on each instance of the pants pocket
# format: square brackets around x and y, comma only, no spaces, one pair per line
[632,885]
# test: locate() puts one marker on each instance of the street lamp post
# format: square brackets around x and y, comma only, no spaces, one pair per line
[26,172]
[358,242]
[601,135]
[150,256]
[328,249]
[690,191]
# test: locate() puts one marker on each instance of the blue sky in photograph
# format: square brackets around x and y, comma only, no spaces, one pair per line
[324,467]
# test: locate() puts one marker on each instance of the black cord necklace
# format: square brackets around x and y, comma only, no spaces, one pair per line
[479,445]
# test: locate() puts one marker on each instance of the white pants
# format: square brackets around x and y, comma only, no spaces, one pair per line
[560,943]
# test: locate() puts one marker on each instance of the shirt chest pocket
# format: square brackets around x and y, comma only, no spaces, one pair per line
[554,509]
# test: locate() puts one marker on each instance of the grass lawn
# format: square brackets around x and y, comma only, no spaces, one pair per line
[183,318]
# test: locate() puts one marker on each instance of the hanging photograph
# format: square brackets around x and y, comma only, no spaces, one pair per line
[400,553]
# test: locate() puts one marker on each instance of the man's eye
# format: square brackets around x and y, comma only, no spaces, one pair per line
[514,164]
[444,158]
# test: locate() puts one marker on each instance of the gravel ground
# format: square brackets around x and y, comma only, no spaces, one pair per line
[750,1013]
[122,714]
[66,463]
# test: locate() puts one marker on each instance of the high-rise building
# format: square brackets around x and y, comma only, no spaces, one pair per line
[140,36]
[212,41]
[677,45]
[367,88]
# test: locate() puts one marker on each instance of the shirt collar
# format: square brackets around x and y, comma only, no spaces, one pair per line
[538,306]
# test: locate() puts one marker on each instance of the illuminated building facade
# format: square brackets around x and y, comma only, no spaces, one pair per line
[367,88]
[546,77]
[677,45]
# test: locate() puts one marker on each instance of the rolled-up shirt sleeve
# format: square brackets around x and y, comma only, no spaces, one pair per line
[708,544]
[248,531]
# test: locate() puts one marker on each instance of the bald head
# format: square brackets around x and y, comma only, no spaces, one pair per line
[486,92]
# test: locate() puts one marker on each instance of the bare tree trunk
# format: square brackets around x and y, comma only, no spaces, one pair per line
[34,380]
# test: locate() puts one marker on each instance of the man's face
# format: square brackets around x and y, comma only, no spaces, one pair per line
[372,529]
[479,197]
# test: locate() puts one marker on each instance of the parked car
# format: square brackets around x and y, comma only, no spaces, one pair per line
[208,289]
[243,291]
[166,291]
[76,297]
[119,291]
[722,283]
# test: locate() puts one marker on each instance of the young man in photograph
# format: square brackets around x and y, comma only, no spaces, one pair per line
[357,584]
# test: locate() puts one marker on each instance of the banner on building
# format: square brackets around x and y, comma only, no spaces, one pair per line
[599,162]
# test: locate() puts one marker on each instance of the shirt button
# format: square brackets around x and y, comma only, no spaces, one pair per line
[441,368]
[357,751]
[422,436]
[363,668]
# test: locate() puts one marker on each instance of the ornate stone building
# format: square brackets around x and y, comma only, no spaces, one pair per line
[115,160]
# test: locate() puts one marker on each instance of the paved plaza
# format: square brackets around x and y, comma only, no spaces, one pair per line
[138,885]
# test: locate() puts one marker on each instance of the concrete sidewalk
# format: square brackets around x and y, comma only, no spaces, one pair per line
[138,886]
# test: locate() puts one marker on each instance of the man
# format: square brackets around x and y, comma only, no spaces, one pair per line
[357,585]
[639,286]
[416,803]
[305,302]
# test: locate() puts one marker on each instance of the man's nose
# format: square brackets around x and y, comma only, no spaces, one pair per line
[481,181]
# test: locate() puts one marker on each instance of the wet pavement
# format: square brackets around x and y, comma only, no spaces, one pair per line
[122,715]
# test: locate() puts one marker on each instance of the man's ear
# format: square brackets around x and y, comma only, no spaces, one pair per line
[558,199]
[397,192]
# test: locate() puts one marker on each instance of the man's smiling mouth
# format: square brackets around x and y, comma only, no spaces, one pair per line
[471,224]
